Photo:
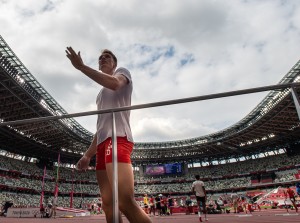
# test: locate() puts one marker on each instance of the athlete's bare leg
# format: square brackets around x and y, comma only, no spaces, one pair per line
[204,210]
[106,195]
[127,203]
[294,204]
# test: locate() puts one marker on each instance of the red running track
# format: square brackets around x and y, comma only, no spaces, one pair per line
[265,216]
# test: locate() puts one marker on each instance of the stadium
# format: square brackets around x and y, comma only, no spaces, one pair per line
[256,158]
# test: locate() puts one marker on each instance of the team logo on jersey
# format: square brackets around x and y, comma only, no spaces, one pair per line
[109,148]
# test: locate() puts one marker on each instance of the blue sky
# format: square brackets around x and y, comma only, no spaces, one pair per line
[174,49]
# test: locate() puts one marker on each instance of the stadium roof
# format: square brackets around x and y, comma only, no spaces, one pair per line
[272,125]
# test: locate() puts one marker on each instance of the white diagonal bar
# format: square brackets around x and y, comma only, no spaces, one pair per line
[296,101]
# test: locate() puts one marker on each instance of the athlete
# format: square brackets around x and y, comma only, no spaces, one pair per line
[199,190]
[291,195]
[116,92]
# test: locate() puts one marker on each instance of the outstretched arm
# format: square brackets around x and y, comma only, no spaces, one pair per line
[106,80]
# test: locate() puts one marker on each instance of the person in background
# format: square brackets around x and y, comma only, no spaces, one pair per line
[235,202]
[170,204]
[163,203]
[146,204]
[158,204]
[298,188]
[181,202]
[54,206]
[291,195]
[199,190]
[152,205]
[188,204]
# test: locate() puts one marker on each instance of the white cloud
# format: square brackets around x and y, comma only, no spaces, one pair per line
[229,45]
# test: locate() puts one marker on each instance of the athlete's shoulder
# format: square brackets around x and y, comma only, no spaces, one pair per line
[125,72]
[122,70]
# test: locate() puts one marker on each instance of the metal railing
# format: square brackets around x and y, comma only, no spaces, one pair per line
[292,86]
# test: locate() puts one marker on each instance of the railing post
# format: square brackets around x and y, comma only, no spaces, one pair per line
[296,101]
[115,172]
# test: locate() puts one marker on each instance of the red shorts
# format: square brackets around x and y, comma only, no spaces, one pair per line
[104,152]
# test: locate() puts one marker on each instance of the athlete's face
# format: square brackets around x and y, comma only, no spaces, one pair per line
[106,62]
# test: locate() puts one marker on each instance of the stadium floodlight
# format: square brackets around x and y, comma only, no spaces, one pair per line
[271,135]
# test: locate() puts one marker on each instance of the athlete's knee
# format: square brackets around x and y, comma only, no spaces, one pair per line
[107,206]
[127,205]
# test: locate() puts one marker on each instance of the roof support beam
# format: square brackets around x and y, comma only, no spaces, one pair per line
[296,101]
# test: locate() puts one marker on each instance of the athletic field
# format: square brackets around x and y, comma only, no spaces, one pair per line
[265,216]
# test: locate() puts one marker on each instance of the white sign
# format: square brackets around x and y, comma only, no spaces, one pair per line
[23,212]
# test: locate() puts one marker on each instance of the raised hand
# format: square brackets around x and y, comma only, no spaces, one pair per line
[75,58]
